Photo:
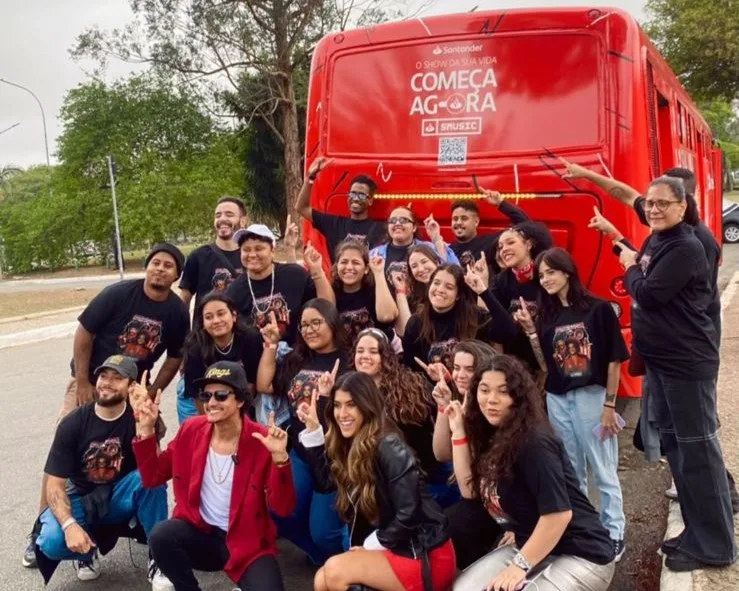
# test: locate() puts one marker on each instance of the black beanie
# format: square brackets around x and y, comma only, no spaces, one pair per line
[179,258]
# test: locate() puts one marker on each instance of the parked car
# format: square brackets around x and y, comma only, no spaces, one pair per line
[730,217]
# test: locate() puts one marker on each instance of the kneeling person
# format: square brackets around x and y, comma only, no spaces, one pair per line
[93,483]
[229,461]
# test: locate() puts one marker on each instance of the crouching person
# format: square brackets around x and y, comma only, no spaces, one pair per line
[93,487]
[506,454]
[221,464]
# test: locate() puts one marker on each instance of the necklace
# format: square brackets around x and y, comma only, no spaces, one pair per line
[219,472]
[253,297]
[227,350]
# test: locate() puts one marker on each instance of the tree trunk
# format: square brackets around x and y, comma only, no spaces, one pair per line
[292,148]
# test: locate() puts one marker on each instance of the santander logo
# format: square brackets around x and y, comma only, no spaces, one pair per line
[457,49]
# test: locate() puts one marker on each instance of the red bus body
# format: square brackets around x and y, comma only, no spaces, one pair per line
[425,104]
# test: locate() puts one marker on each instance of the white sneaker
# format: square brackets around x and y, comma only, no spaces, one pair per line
[88,570]
[157,579]
[671,493]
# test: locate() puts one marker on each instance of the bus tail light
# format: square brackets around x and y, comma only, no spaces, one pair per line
[618,288]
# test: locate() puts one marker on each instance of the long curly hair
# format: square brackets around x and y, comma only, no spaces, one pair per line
[406,395]
[578,297]
[353,460]
[416,290]
[302,353]
[466,315]
[494,450]
[368,281]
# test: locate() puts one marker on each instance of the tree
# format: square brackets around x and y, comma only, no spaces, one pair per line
[250,49]
[700,39]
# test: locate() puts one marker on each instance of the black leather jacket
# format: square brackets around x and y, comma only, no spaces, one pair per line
[410,521]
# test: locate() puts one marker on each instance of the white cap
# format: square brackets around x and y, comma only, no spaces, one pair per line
[257,230]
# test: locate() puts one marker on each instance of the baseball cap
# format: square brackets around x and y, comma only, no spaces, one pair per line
[258,230]
[126,366]
[229,373]
[171,249]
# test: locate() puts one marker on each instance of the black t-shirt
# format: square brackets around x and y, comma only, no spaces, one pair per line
[210,268]
[713,256]
[246,349]
[358,311]
[670,295]
[578,346]
[396,263]
[508,291]
[126,322]
[293,288]
[544,482]
[336,229]
[91,451]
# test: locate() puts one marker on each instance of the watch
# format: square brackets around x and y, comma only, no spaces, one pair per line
[520,561]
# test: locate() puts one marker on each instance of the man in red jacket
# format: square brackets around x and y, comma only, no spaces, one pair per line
[221,464]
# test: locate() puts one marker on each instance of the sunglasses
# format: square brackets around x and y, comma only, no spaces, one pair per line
[358,195]
[219,395]
[399,220]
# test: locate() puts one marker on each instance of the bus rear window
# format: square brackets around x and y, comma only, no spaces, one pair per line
[454,100]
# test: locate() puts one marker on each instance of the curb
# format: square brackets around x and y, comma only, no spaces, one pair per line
[34,315]
[81,279]
[37,335]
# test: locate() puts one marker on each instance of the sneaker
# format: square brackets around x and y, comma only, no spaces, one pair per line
[618,549]
[29,554]
[671,493]
[159,582]
[88,570]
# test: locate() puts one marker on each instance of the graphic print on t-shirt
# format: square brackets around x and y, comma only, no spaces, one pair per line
[644,262]
[466,258]
[278,305]
[140,337]
[302,387]
[442,352]
[572,350]
[222,278]
[492,501]
[102,460]
[355,321]
[397,273]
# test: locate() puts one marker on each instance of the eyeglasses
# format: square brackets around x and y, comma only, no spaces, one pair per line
[220,395]
[399,220]
[358,195]
[658,204]
[313,325]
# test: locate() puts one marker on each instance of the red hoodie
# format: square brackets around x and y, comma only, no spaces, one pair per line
[258,487]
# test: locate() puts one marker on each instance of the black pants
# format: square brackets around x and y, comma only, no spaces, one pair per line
[179,547]
[472,530]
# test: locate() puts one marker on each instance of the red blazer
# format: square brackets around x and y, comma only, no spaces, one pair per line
[258,487]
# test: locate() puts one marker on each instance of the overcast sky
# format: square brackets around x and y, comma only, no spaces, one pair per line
[35,38]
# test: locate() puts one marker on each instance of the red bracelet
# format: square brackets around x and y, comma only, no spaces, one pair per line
[460,441]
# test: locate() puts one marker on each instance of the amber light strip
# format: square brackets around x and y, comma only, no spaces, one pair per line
[471,196]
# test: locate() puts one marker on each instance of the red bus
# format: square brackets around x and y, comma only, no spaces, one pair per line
[423,105]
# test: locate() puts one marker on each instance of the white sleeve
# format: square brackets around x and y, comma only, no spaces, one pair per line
[313,438]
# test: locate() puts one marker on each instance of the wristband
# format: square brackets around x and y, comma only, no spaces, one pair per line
[400,292]
[283,463]
[520,561]
[610,405]
[68,523]
[460,441]
[317,276]
[268,345]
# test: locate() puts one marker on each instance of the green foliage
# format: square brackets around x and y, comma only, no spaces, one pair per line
[724,121]
[700,39]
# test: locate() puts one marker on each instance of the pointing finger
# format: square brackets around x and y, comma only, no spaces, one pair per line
[421,363]
[144,377]
[335,370]
[158,397]
[271,420]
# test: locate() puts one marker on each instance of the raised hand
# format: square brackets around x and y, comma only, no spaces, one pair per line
[140,393]
[271,332]
[494,198]
[455,412]
[474,281]
[291,233]
[313,259]
[377,265]
[524,318]
[433,229]
[275,441]
[481,268]
[327,380]
[149,413]
[308,413]
[574,171]
[442,394]
[435,371]
[602,224]
[400,282]
[318,165]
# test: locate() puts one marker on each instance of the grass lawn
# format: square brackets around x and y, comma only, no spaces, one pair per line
[733,195]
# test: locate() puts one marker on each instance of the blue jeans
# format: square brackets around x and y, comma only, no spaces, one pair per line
[688,426]
[573,416]
[314,526]
[440,489]
[186,408]
[128,499]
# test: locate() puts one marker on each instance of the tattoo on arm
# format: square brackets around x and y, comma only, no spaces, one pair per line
[539,354]
[60,505]
[610,398]
[621,194]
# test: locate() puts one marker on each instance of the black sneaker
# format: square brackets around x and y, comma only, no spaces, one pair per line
[670,545]
[29,554]
[618,549]
[88,570]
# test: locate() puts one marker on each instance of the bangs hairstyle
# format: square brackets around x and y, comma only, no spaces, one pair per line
[405,392]
[302,353]
[368,280]
[494,450]
[466,316]
[353,460]
[578,297]
[535,232]
[417,290]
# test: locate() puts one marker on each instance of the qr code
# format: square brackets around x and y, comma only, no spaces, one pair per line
[452,151]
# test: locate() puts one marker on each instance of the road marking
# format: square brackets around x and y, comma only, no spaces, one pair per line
[37,335]
[730,290]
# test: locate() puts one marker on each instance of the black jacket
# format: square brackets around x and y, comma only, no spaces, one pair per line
[410,521]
